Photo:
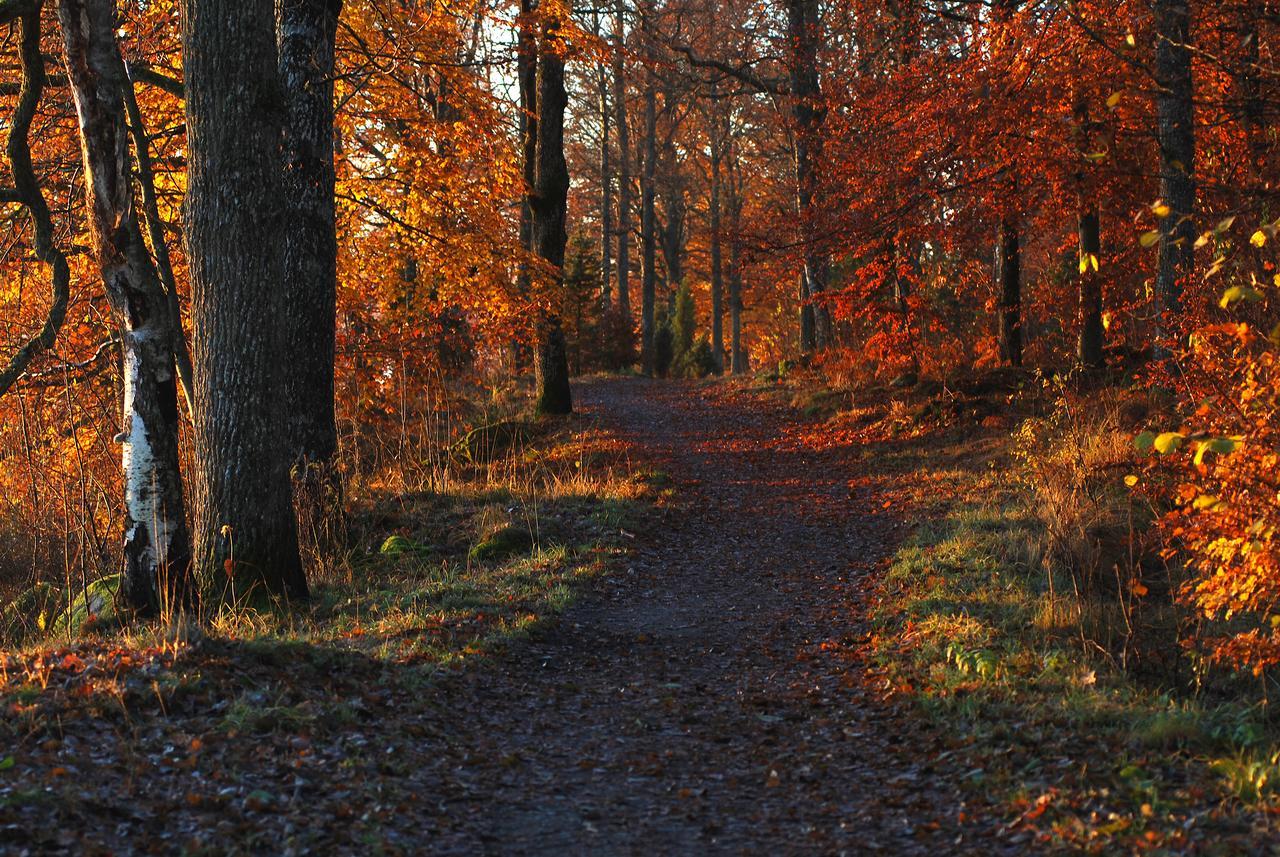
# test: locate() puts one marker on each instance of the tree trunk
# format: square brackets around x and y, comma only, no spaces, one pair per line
[737,359]
[1176,135]
[245,531]
[157,550]
[1010,292]
[606,189]
[624,168]
[673,232]
[1090,333]
[549,204]
[648,227]
[306,30]
[717,262]
[527,78]
[804,36]
[1090,336]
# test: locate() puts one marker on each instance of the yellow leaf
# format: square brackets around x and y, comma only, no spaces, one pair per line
[1130,41]
[1131,480]
[1114,99]
[1168,442]
[1258,239]
[1093,261]
[1150,239]
[1161,209]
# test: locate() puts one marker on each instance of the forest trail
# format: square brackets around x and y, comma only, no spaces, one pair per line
[709,695]
[689,706]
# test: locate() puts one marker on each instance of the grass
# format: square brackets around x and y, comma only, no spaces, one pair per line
[977,621]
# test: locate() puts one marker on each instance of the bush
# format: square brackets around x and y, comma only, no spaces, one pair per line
[664,343]
[696,362]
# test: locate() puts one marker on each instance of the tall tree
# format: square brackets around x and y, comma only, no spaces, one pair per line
[804,35]
[1175,120]
[1009,263]
[549,203]
[624,163]
[157,551]
[714,226]
[606,176]
[245,531]
[305,31]
[649,225]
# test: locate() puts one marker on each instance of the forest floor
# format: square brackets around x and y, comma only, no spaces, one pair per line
[730,684]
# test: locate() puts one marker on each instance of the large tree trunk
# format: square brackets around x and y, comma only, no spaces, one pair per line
[809,111]
[549,204]
[648,228]
[624,167]
[1010,258]
[245,532]
[1176,135]
[157,551]
[306,30]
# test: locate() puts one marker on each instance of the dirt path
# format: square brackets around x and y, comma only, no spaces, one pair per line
[688,707]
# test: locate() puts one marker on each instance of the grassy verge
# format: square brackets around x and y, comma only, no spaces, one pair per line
[1080,717]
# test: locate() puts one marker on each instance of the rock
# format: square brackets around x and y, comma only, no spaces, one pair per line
[904,381]
[31,613]
[92,606]
[488,443]
[501,544]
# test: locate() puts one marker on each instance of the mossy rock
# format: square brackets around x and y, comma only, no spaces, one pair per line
[31,613]
[502,544]
[397,546]
[93,606]
[491,442]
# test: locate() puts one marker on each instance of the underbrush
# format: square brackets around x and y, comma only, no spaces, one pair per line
[465,528]
[1030,615]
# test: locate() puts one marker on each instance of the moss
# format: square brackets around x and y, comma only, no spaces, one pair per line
[501,544]
[94,606]
[490,442]
[31,613]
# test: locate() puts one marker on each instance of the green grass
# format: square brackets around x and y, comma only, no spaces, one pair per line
[968,628]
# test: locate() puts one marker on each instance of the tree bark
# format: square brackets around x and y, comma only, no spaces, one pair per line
[606,186]
[157,550]
[1091,334]
[648,227]
[673,230]
[737,358]
[549,204]
[804,35]
[245,531]
[1175,118]
[717,258]
[624,167]
[305,32]
[1010,291]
